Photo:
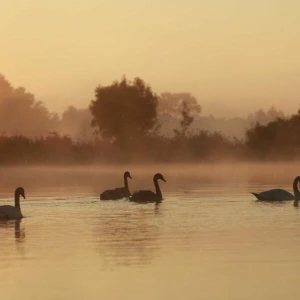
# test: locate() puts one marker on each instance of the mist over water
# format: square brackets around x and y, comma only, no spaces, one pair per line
[208,239]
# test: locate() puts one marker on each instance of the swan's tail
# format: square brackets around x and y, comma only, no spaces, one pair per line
[258,196]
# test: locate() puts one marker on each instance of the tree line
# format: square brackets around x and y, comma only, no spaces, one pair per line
[127,122]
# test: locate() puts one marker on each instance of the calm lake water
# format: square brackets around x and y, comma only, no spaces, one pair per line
[208,239]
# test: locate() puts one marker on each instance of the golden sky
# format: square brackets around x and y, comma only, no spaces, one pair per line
[233,55]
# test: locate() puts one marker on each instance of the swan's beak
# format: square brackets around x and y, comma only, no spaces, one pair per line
[130,177]
[164,180]
[24,196]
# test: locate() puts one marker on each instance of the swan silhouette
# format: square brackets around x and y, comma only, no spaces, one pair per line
[146,196]
[9,212]
[117,193]
[279,194]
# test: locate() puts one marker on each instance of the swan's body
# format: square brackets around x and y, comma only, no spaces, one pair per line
[274,195]
[8,212]
[279,194]
[146,196]
[117,193]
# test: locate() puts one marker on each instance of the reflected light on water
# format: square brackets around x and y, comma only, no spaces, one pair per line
[208,239]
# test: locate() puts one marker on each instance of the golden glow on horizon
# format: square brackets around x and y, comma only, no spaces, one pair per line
[223,52]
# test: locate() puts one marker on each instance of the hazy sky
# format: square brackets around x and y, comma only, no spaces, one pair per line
[233,55]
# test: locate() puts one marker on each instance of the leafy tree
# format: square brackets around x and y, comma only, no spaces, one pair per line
[76,123]
[185,122]
[124,110]
[170,104]
[20,113]
[264,117]
[277,139]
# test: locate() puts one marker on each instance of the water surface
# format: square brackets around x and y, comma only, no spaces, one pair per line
[208,239]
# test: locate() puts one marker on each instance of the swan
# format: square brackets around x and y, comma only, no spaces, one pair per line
[9,212]
[145,196]
[117,193]
[279,194]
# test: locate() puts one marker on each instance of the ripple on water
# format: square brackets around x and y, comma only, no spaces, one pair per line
[201,236]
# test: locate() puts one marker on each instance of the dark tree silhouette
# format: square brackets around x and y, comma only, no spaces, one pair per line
[277,139]
[124,110]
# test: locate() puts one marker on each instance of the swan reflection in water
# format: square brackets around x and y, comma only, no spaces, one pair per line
[296,204]
[19,231]
[130,237]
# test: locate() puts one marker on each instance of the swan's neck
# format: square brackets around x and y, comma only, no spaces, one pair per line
[296,189]
[157,189]
[17,201]
[126,182]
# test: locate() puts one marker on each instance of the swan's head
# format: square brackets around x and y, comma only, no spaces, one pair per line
[159,176]
[20,192]
[127,174]
[297,179]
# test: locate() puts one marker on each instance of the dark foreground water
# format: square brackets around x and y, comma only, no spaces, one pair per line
[208,239]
